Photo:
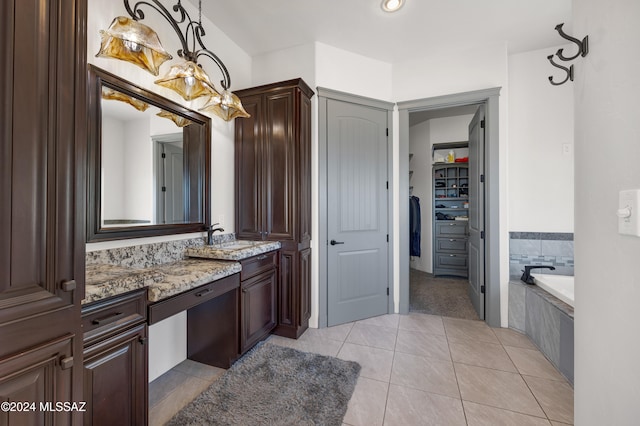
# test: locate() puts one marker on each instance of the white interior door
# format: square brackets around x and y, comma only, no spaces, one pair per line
[357,223]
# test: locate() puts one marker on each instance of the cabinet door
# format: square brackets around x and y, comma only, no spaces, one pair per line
[281,167]
[115,379]
[248,175]
[41,375]
[258,308]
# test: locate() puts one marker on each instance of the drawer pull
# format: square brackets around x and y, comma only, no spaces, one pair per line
[452,224]
[68,285]
[205,292]
[453,240]
[452,255]
[98,321]
[263,257]
[142,340]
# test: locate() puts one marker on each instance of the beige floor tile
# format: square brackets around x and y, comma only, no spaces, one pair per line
[389,320]
[468,329]
[531,362]
[337,332]
[373,335]
[425,374]
[509,337]
[481,354]
[165,409]
[423,344]
[314,344]
[406,406]
[165,384]
[202,371]
[483,415]
[376,363]
[424,323]
[367,404]
[555,397]
[496,388]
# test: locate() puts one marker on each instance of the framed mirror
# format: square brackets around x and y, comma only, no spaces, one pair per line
[149,162]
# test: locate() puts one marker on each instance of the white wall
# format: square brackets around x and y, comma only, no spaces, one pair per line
[607,150]
[138,171]
[112,155]
[467,69]
[420,164]
[540,128]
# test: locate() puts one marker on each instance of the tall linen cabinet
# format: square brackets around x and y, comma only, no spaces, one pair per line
[42,157]
[273,189]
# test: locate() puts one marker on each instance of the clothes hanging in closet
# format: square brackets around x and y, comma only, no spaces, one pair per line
[414,225]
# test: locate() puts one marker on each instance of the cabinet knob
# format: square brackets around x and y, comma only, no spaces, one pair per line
[69,285]
[142,340]
[66,363]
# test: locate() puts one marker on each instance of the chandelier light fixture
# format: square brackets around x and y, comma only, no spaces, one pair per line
[129,40]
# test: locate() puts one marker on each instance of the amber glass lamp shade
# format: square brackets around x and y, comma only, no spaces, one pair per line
[114,95]
[177,119]
[226,106]
[189,80]
[131,41]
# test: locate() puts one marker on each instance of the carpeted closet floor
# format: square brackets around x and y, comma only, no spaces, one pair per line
[440,296]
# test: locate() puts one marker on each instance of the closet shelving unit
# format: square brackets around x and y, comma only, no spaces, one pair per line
[450,215]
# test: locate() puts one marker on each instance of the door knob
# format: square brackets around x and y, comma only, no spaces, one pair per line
[334,242]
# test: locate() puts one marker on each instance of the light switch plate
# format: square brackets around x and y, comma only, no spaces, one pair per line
[629,209]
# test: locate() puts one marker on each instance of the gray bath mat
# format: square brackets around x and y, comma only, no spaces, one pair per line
[273,385]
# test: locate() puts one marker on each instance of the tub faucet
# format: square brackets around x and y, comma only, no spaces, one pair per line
[527,278]
[211,230]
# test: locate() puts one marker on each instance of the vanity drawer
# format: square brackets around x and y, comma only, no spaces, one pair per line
[451,261]
[258,264]
[451,229]
[111,315]
[173,305]
[458,245]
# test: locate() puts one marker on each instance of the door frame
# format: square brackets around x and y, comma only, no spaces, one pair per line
[325,94]
[490,98]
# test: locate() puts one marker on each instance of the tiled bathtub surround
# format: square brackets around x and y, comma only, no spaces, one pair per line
[547,320]
[540,248]
[146,255]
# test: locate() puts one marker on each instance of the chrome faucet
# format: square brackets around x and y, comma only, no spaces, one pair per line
[527,278]
[211,230]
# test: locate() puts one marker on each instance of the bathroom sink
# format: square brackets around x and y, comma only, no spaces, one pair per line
[233,250]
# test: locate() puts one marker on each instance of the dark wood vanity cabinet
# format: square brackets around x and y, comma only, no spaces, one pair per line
[42,64]
[116,360]
[258,311]
[273,189]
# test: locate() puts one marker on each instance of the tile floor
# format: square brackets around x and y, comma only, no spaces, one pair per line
[417,369]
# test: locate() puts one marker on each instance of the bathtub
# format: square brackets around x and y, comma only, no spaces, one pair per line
[561,286]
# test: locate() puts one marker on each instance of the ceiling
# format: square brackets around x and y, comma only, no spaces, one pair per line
[360,26]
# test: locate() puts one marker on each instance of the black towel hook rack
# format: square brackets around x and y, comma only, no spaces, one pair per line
[583,50]
[583,46]
[569,72]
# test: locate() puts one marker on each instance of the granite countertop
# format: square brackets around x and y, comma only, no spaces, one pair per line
[186,274]
[233,250]
[162,281]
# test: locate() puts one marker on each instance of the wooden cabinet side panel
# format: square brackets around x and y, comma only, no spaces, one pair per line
[305,287]
[304,179]
[281,166]
[287,289]
[248,170]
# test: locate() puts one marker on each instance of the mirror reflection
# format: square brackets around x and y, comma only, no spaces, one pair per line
[142,162]
[148,162]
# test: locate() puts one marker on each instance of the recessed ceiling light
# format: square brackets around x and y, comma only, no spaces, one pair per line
[391,5]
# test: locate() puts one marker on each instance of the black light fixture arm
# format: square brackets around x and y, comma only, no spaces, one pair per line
[193,30]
